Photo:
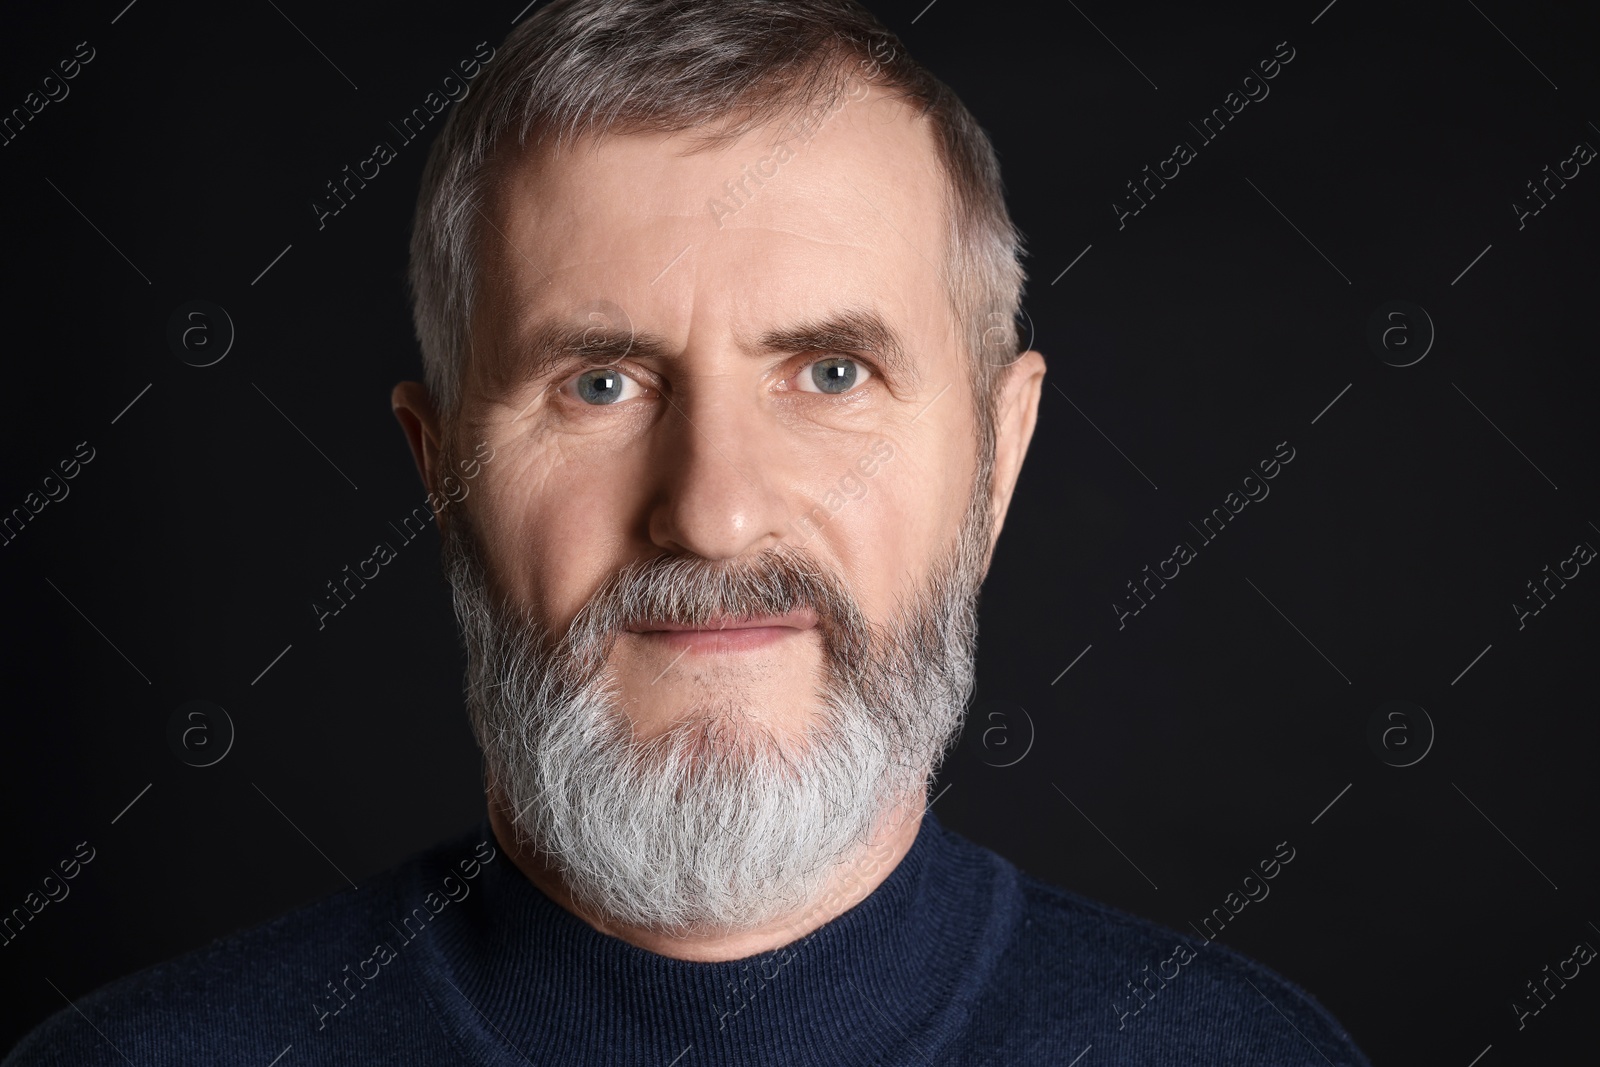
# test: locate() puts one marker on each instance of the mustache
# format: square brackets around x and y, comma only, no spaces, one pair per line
[689,591]
[683,590]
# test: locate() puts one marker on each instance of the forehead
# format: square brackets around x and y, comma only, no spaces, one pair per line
[784,221]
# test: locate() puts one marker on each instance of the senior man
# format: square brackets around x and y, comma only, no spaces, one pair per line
[719,299]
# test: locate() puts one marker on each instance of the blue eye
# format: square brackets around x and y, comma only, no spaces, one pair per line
[604,385]
[836,375]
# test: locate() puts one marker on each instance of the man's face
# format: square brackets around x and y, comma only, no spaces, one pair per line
[718,579]
[722,430]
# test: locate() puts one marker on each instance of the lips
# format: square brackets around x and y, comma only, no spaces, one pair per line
[727,633]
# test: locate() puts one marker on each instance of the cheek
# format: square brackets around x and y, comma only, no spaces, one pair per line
[886,541]
[552,528]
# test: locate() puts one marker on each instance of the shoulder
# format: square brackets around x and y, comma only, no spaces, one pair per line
[1078,973]
[251,995]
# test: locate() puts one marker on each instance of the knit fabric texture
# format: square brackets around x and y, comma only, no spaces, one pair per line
[454,957]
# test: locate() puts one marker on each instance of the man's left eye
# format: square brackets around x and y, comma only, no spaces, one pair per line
[839,374]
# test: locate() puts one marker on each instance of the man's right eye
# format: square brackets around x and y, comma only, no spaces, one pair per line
[602,385]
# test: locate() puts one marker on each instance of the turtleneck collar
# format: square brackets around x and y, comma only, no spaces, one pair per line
[514,977]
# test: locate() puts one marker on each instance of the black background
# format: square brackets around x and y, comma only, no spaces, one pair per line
[1221,720]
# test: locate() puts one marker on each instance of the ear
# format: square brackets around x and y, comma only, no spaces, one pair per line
[414,410]
[1015,416]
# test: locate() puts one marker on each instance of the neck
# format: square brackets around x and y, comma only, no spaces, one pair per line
[847,885]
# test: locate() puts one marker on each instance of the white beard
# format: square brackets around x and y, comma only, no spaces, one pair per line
[722,822]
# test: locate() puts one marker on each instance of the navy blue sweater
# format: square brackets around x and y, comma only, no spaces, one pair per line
[455,958]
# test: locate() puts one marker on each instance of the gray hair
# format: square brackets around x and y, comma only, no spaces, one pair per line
[720,68]
[722,820]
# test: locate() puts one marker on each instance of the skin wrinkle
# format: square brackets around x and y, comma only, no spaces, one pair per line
[710,471]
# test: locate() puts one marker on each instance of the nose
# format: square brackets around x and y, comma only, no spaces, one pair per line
[718,468]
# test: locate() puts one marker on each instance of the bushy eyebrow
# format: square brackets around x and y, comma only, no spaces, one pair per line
[855,332]
[554,341]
